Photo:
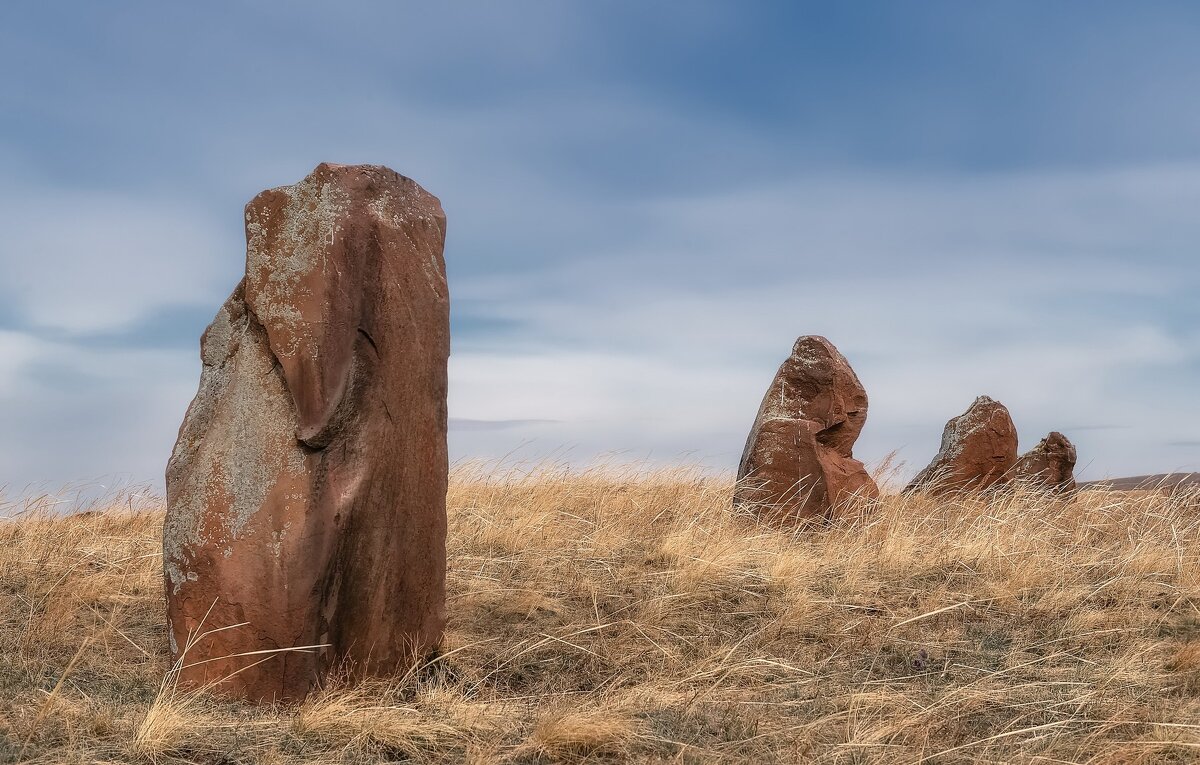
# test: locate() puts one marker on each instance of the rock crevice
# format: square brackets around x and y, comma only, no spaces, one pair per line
[798,462]
[1050,465]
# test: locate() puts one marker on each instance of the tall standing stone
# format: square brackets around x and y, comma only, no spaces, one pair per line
[798,462]
[1049,465]
[979,447]
[306,494]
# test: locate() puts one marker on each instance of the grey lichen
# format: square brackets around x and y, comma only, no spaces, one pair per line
[215,487]
[280,254]
[957,430]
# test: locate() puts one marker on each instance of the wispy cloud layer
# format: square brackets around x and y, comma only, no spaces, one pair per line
[646,207]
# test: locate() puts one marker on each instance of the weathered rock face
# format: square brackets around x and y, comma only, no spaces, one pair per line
[306,495]
[1049,465]
[798,461]
[979,447]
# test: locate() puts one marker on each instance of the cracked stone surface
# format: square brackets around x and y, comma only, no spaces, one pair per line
[306,494]
[798,463]
[1050,465]
[979,448]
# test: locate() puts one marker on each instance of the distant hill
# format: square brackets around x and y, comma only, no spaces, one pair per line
[1165,481]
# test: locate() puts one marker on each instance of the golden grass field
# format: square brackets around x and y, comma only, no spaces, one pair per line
[634,617]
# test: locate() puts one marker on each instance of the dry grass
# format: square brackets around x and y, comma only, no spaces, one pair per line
[606,617]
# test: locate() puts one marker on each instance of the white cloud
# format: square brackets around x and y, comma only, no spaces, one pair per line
[648,244]
[659,324]
[18,350]
[1020,286]
[74,414]
[85,262]
[670,404]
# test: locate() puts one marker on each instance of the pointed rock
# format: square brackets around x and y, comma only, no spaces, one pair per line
[978,449]
[306,494]
[1049,465]
[798,461]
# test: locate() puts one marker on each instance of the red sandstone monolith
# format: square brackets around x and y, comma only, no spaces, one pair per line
[1050,465]
[306,494]
[978,449]
[798,463]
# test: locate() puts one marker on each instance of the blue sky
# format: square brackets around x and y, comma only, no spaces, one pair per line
[647,203]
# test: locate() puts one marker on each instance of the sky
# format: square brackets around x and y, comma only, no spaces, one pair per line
[647,203]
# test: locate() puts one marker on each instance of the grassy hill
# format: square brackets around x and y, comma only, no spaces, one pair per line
[608,617]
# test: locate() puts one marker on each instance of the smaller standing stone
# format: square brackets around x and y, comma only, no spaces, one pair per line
[1049,465]
[798,462]
[979,448]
